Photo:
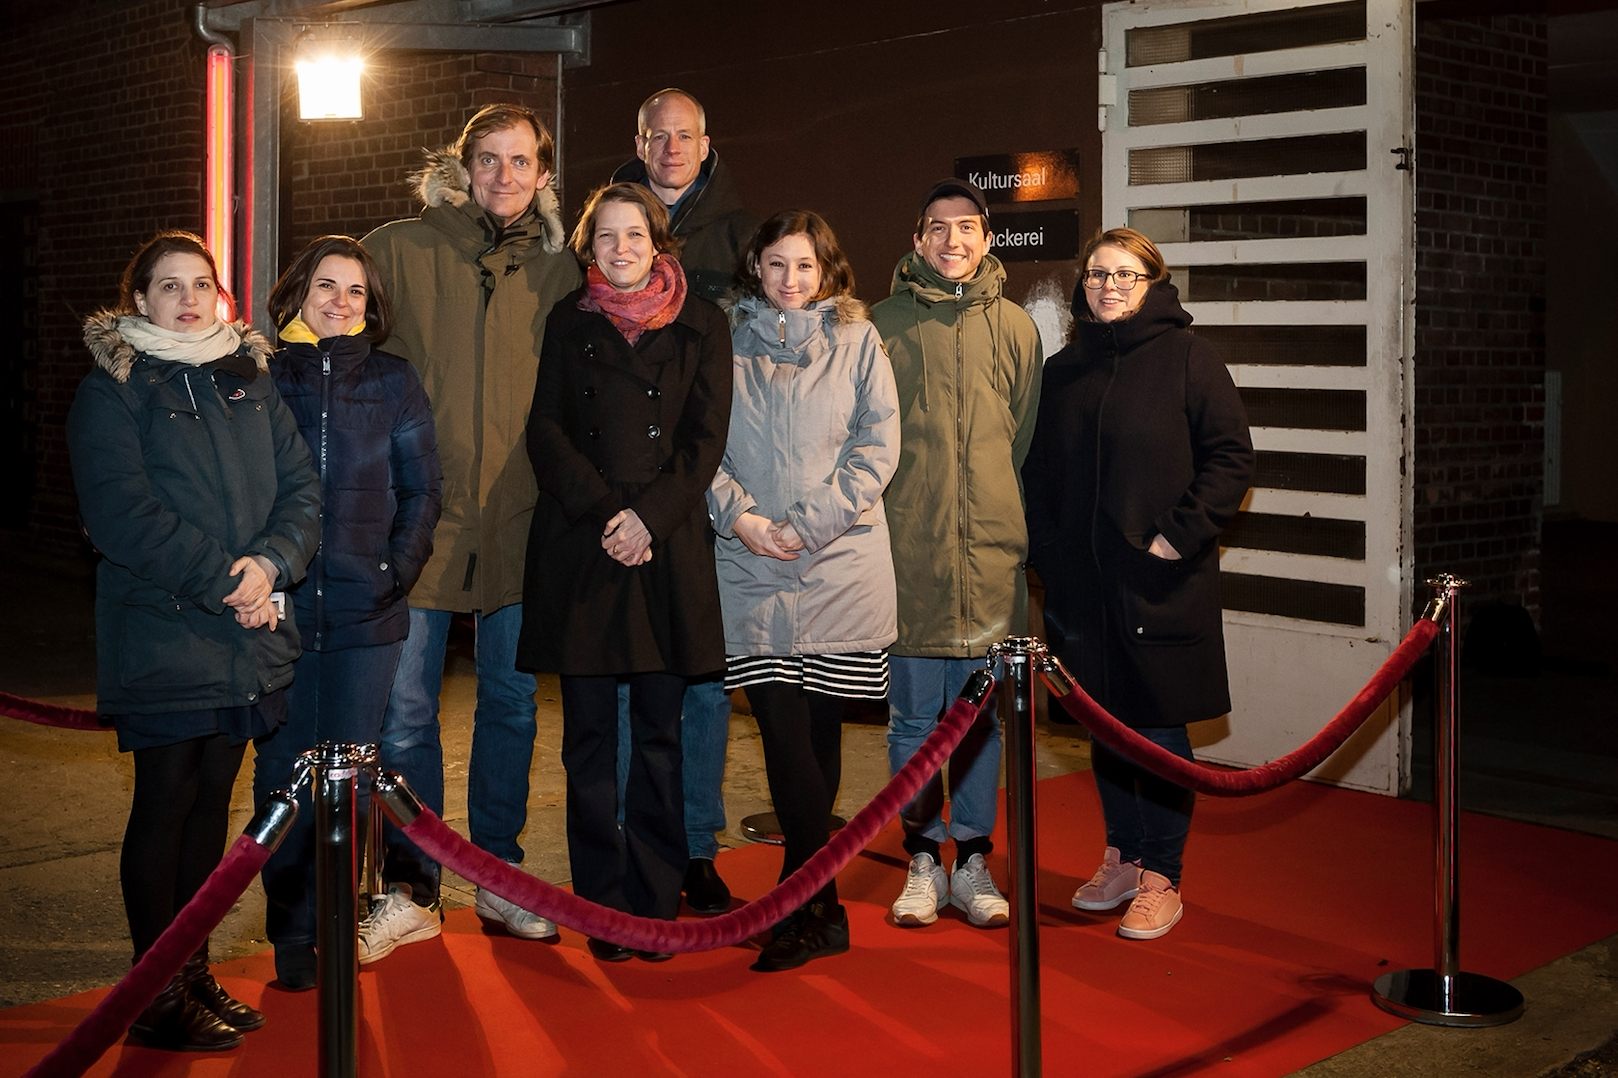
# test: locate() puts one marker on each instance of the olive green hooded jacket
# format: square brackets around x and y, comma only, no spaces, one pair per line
[470,302]
[967,364]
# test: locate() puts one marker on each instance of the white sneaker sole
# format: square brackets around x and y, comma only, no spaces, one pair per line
[1127,896]
[417,936]
[1151,933]
[914,920]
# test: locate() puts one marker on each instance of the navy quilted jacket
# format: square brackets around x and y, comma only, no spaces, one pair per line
[370,429]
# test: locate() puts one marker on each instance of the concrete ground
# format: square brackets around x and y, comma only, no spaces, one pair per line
[1540,748]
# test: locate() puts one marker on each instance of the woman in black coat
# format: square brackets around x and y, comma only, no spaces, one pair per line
[631,408]
[197,491]
[1140,456]
[367,422]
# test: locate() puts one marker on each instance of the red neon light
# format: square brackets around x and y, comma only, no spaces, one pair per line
[221,172]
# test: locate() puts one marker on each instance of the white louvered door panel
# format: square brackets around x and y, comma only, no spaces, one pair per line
[1260,144]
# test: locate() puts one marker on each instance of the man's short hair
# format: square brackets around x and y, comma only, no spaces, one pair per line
[492,118]
[651,103]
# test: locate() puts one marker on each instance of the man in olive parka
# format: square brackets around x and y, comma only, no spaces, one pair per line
[967,363]
[472,279]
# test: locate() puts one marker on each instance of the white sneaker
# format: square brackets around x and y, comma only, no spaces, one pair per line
[496,912]
[396,920]
[973,890]
[926,885]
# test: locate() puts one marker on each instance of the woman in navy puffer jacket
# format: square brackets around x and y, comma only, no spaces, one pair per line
[370,429]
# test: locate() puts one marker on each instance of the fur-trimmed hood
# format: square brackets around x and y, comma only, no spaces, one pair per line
[844,311]
[444,181]
[116,356]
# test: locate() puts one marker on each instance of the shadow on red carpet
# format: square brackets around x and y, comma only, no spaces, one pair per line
[1296,901]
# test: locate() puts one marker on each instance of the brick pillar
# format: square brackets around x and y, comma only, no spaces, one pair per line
[1481,154]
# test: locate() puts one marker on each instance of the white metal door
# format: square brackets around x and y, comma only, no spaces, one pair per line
[1264,145]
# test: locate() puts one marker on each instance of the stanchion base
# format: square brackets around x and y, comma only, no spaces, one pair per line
[765,827]
[1475,1000]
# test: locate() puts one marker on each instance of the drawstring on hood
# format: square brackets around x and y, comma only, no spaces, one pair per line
[913,277]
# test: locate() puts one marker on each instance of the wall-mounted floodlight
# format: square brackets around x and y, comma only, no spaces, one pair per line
[329,74]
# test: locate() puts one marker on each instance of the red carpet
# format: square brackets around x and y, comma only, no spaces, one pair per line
[1296,901]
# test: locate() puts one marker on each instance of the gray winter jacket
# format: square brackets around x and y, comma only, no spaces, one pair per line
[814,439]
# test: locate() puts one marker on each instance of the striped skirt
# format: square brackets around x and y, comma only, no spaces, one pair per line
[861,675]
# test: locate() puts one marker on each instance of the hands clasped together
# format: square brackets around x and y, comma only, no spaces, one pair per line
[251,599]
[626,539]
[769,538]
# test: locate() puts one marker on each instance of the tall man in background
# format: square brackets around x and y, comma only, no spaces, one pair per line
[674,159]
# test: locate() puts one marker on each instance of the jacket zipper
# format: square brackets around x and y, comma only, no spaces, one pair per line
[782,315]
[960,473]
[325,412]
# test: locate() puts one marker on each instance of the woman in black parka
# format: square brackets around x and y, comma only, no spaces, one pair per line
[369,426]
[197,491]
[1140,456]
[631,410]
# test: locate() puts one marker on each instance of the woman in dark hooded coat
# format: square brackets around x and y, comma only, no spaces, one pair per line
[1140,457]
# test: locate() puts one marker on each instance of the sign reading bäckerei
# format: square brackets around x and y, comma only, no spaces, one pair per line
[1040,176]
[1035,235]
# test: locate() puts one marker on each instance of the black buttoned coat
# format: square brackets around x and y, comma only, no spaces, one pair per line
[1141,433]
[614,427]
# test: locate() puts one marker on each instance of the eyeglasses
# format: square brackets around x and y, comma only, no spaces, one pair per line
[1124,279]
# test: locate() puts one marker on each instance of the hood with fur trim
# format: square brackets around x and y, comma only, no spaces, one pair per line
[116,356]
[444,181]
[845,310]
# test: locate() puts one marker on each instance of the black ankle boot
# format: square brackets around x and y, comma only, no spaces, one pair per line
[704,891]
[819,930]
[177,1022]
[212,995]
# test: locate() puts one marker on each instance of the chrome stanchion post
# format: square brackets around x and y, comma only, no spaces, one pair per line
[1017,726]
[336,769]
[1445,995]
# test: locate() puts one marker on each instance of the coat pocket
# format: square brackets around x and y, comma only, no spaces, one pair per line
[1160,600]
[160,649]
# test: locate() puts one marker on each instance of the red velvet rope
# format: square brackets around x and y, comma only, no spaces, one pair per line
[1120,738]
[68,718]
[113,1015]
[651,934]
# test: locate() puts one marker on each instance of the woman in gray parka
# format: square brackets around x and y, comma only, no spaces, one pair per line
[805,567]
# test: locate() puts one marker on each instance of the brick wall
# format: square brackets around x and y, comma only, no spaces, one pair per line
[350,177]
[101,111]
[1481,153]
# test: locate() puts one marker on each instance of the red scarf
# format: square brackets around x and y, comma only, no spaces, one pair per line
[653,307]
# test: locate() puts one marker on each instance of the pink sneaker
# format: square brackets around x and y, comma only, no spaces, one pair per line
[1114,883]
[1155,910]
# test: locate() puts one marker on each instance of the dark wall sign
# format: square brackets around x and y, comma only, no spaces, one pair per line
[1035,235]
[1023,177]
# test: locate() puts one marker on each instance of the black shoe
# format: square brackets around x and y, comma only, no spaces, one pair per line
[610,952]
[295,968]
[177,1022]
[208,992]
[654,956]
[822,931]
[704,891]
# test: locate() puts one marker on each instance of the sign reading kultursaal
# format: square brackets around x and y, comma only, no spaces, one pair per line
[1040,176]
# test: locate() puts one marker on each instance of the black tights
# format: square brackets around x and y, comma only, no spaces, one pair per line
[176,832]
[803,758]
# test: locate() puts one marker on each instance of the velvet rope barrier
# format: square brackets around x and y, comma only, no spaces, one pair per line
[1218,783]
[68,718]
[651,934]
[113,1015]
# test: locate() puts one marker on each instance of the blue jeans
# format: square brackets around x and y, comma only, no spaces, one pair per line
[919,690]
[503,730]
[334,696]
[1148,818]
[704,739]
